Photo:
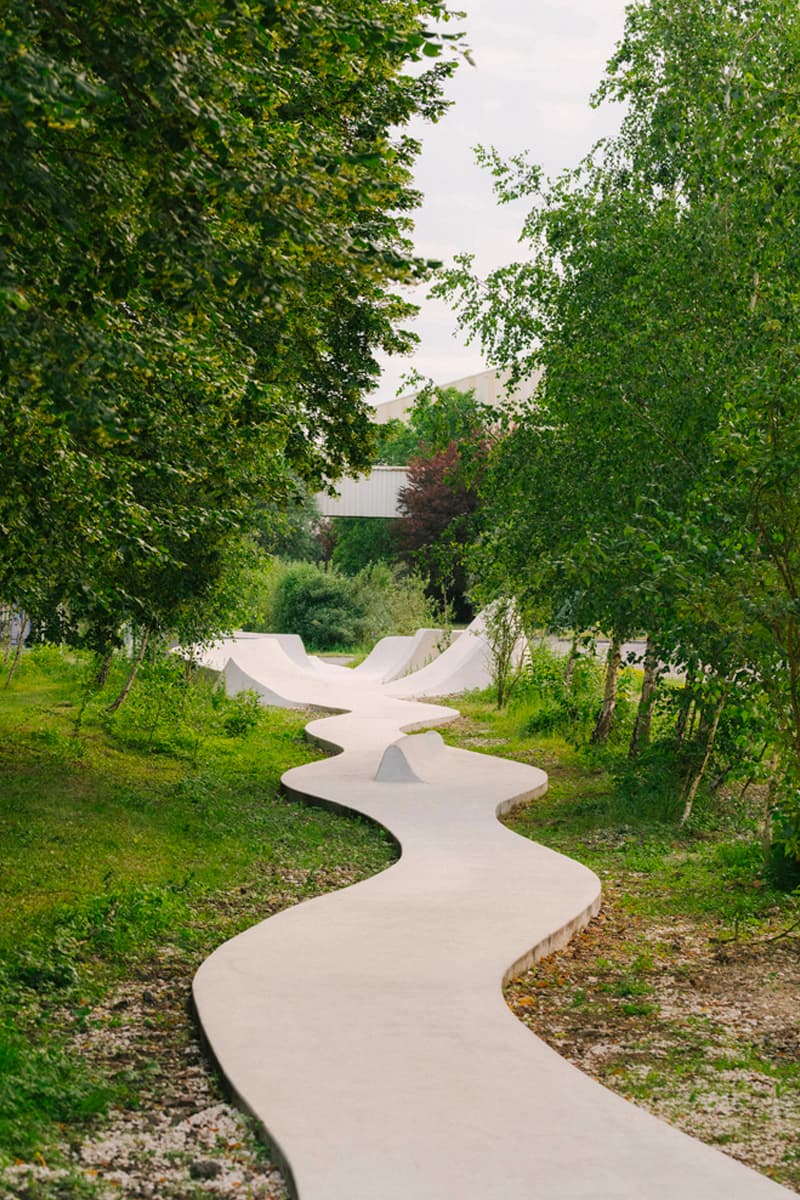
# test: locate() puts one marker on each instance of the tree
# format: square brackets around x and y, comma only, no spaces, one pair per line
[205,210]
[437,417]
[362,541]
[438,508]
[661,301]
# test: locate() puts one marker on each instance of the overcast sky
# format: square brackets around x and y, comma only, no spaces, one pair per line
[536,64]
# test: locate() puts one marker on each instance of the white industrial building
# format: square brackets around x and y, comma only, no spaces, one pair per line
[490,387]
[376,494]
[373,495]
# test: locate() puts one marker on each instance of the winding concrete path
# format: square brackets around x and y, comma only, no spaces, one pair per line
[366,1029]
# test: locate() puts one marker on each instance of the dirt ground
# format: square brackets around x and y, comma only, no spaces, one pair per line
[703,1033]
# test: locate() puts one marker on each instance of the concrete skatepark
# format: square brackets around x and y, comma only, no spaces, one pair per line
[366,1029]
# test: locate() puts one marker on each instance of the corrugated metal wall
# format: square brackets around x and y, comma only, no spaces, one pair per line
[490,387]
[372,496]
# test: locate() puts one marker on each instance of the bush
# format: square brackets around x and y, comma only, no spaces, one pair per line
[329,610]
[394,601]
[555,703]
[166,711]
[323,607]
[363,541]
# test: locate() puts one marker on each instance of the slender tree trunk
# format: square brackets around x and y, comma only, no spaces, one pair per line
[748,783]
[712,733]
[104,666]
[15,661]
[572,658]
[23,620]
[640,737]
[605,719]
[8,619]
[682,723]
[137,662]
[769,802]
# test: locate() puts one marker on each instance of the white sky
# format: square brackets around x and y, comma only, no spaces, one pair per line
[537,63]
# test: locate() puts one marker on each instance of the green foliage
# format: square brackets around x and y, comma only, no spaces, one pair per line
[331,611]
[41,1087]
[713,870]
[554,702]
[243,713]
[292,531]
[443,442]
[660,300]
[126,851]
[397,442]
[437,417]
[321,606]
[786,828]
[395,601]
[164,712]
[362,541]
[205,212]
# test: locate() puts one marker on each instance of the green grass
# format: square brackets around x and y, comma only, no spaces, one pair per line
[118,836]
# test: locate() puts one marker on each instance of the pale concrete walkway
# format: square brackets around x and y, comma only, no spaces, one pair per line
[366,1029]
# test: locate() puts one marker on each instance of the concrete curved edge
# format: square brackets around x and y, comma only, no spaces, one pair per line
[366,1029]
[393,657]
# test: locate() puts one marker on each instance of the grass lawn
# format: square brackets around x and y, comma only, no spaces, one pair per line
[129,848]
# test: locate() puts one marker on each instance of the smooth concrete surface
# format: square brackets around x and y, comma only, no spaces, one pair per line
[366,1029]
[393,657]
[465,665]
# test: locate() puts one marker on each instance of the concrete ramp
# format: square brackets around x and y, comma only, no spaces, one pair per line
[266,656]
[463,666]
[366,1029]
[394,657]
[237,681]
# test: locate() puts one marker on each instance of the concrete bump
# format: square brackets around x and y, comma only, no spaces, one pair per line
[404,761]
[395,768]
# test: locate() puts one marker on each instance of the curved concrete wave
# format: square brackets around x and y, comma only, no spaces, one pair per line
[366,1029]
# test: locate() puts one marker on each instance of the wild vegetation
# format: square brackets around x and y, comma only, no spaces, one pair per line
[683,994]
[135,841]
[129,840]
[205,213]
[650,486]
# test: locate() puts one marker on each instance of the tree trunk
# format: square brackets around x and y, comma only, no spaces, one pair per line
[683,714]
[571,661]
[605,719]
[121,698]
[712,733]
[640,737]
[769,802]
[104,666]
[8,618]
[23,620]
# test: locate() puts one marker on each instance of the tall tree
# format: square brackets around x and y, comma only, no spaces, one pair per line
[204,211]
[662,302]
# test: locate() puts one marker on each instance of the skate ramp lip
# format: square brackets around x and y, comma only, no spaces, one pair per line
[462,667]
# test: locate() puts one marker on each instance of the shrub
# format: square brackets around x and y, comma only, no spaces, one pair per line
[329,610]
[323,607]
[556,702]
[394,600]
[362,541]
